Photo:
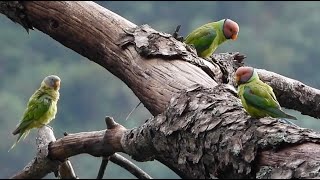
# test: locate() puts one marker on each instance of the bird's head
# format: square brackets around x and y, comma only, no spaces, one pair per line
[245,74]
[230,29]
[52,82]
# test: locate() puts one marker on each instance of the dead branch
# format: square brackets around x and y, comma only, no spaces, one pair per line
[103,167]
[41,165]
[66,171]
[132,168]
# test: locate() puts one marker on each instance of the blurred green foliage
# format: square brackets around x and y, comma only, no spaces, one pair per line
[277,36]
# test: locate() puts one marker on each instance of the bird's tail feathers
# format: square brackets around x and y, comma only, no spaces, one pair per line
[275,112]
[16,131]
[290,117]
[15,143]
[25,134]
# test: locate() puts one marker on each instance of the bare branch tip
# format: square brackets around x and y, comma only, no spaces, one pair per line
[110,122]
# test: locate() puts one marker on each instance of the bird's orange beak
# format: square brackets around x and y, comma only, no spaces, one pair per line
[237,79]
[234,36]
[57,84]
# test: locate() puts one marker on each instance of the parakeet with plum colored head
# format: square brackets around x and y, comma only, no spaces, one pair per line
[208,37]
[257,97]
[41,107]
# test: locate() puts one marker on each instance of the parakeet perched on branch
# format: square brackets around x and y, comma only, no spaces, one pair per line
[257,97]
[208,37]
[41,108]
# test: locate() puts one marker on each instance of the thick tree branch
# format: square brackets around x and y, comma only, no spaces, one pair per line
[100,143]
[96,143]
[97,33]
[205,133]
[14,10]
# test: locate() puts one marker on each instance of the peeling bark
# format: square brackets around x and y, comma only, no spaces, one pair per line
[205,133]
[15,11]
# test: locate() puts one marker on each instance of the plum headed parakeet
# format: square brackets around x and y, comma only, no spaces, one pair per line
[41,107]
[257,97]
[208,37]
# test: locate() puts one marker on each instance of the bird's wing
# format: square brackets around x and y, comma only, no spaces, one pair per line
[260,99]
[37,107]
[265,100]
[270,90]
[202,38]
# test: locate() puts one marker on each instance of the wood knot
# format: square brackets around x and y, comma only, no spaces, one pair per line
[53,24]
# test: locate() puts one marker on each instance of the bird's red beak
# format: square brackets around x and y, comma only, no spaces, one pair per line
[234,36]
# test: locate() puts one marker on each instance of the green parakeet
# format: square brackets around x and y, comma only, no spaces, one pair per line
[41,108]
[208,37]
[257,97]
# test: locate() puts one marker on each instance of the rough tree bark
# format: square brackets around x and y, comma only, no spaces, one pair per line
[199,128]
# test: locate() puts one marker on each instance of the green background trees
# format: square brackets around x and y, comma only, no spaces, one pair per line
[277,36]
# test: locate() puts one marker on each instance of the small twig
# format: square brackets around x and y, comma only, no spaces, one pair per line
[176,35]
[239,57]
[129,166]
[103,167]
[133,110]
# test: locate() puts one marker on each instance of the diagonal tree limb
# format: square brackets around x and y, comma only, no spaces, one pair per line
[96,33]
[124,163]
[103,167]
[129,166]
[113,44]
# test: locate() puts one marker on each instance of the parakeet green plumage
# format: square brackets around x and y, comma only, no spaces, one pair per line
[41,108]
[257,97]
[208,37]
